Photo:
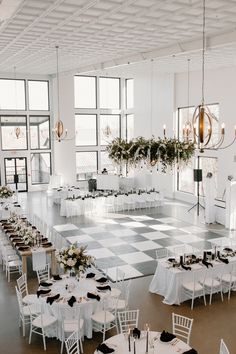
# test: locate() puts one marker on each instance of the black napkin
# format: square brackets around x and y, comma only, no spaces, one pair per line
[93,296]
[207,263]
[101,280]
[224,260]
[103,348]
[44,283]
[166,336]
[71,301]
[48,244]
[136,333]
[107,287]
[90,275]
[185,267]
[43,292]
[57,277]
[227,249]
[51,299]
[190,351]
[23,248]
[171,259]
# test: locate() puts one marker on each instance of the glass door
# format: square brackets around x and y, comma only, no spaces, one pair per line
[16,173]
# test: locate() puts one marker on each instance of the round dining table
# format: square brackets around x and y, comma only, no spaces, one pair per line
[120,344]
[70,286]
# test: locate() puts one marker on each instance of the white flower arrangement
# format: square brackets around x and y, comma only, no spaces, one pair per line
[75,259]
[5,192]
[28,235]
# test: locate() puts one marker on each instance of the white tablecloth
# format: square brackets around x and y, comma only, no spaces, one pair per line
[101,204]
[120,344]
[167,281]
[77,289]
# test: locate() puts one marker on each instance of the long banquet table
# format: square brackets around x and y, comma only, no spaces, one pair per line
[168,281]
[119,342]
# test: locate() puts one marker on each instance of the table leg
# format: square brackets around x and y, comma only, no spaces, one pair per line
[53,262]
[24,264]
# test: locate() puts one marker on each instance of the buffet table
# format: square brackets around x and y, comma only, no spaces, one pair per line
[168,280]
[119,342]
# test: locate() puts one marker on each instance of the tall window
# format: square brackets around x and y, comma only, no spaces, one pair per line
[26,125]
[12,94]
[13,133]
[185,182]
[38,95]
[39,132]
[103,112]
[40,167]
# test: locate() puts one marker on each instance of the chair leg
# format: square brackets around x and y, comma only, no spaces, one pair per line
[204,298]
[81,345]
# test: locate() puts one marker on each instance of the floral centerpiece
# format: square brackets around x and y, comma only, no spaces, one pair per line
[75,259]
[28,235]
[5,192]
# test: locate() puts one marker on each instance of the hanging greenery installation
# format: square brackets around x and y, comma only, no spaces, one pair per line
[166,152]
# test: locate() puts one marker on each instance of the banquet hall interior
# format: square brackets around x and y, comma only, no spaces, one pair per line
[117,175]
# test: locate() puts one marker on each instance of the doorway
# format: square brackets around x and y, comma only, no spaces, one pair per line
[16,173]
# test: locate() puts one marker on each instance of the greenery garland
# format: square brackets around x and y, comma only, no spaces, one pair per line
[165,151]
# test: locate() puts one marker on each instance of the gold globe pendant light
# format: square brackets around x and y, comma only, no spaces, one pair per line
[203,119]
[59,132]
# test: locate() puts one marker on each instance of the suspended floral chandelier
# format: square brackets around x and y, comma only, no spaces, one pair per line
[203,119]
[59,132]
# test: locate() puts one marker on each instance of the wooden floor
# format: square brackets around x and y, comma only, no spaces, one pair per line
[211,323]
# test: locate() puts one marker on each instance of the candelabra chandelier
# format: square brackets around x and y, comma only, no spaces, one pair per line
[203,119]
[59,132]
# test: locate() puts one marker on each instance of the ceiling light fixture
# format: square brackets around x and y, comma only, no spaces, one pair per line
[59,132]
[203,120]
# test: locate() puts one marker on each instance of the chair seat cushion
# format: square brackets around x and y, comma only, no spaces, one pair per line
[115,292]
[30,299]
[72,325]
[227,278]
[100,317]
[190,286]
[28,309]
[211,283]
[121,304]
[46,320]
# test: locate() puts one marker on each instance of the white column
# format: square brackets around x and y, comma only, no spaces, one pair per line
[64,151]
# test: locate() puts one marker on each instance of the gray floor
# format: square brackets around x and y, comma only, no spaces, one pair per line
[210,323]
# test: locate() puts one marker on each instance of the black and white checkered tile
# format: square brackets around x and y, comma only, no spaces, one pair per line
[130,241]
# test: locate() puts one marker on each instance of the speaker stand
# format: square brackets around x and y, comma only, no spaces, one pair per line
[198,204]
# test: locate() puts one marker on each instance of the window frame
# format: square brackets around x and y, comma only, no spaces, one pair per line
[49,123]
[96,93]
[78,152]
[50,158]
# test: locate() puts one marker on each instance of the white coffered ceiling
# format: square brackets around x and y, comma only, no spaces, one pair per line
[104,33]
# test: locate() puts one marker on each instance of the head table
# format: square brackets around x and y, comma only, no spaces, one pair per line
[119,342]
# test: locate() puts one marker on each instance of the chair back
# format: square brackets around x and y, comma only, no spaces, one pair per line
[102,266]
[161,253]
[44,274]
[22,285]
[223,348]
[128,320]
[179,250]
[182,327]
[72,344]
[19,300]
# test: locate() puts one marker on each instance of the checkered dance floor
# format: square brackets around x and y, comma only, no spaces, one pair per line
[129,242]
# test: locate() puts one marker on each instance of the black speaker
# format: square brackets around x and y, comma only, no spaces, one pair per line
[197,175]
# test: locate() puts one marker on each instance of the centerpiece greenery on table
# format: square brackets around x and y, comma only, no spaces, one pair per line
[75,259]
[152,151]
[5,192]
